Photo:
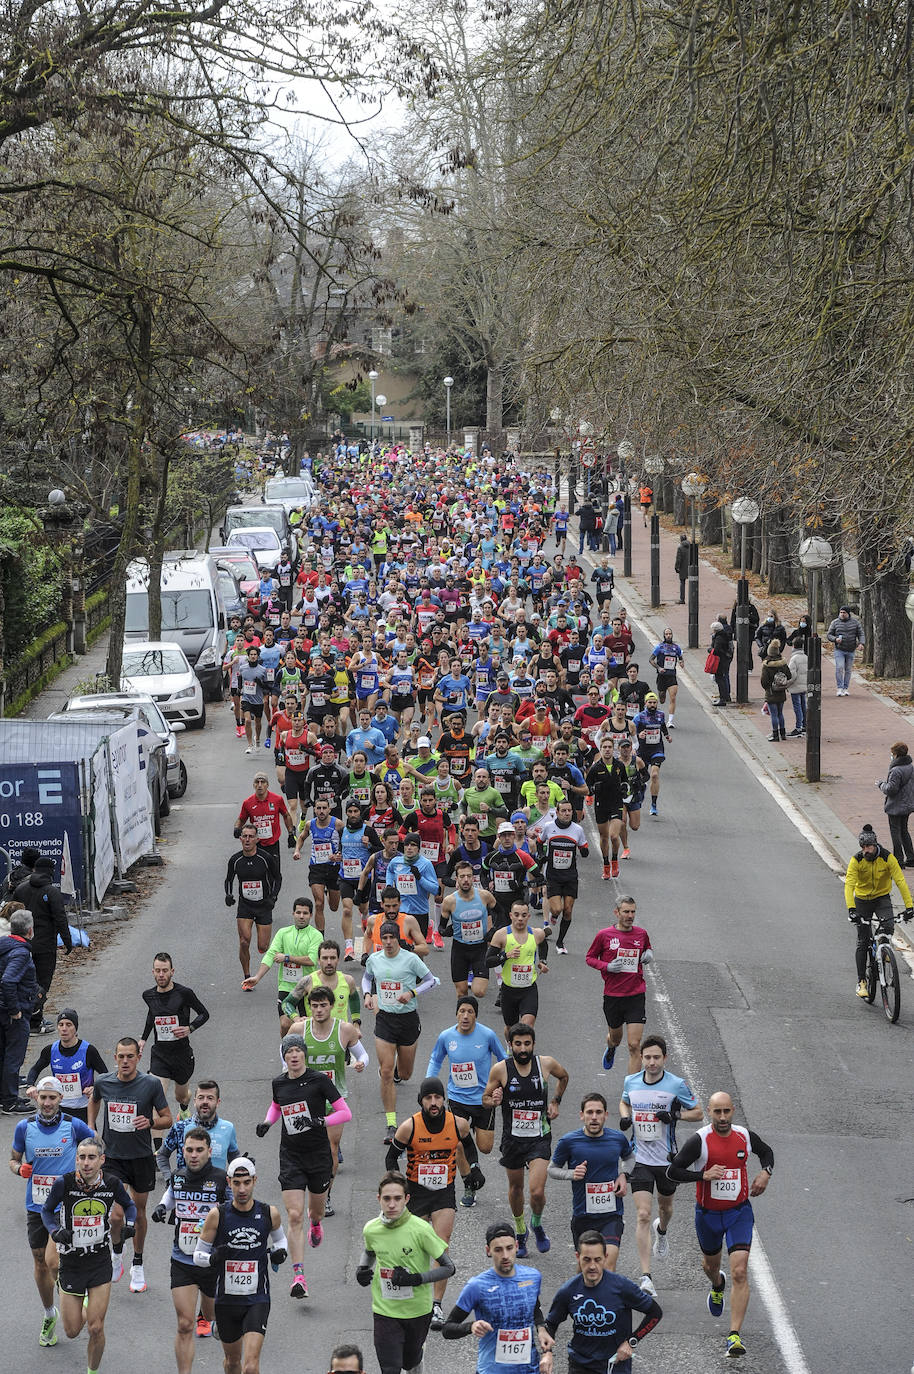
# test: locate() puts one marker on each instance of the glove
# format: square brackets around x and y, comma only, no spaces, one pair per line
[667,1116]
[229,900]
[363,1275]
[625,1123]
[129,1231]
[159,1213]
[237,832]
[404,1278]
[25,1170]
[261,1129]
[852,914]
[616,964]
[907,914]
[63,1235]
[278,1257]
[475,1179]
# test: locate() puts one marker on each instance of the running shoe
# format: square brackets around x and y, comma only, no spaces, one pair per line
[204,1328]
[646,1284]
[249,750]
[239,732]
[626,853]
[521,1244]
[117,1268]
[716,1297]
[615,868]
[329,1210]
[589,799]
[437,941]
[543,1243]
[607,872]
[861,988]
[298,1287]
[468,1199]
[267,742]
[290,841]
[389,1135]
[137,1279]
[560,949]
[609,1057]
[437,1316]
[653,808]
[315,1234]
[48,1333]
[349,953]
[735,1347]
[397,1078]
[661,1246]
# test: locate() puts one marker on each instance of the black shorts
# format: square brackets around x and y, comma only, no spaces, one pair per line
[518,1002]
[562,887]
[645,1177]
[501,911]
[350,891]
[92,1272]
[38,1236]
[480,1118]
[604,811]
[467,959]
[624,1011]
[516,1153]
[178,1065]
[424,1201]
[260,915]
[324,875]
[193,1276]
[295,784]
[138,1174]
[312,1173]
[665,681]
[397,1028]
[610,1227]
[402,703]
[234,1321]
[651,754]
[252,708]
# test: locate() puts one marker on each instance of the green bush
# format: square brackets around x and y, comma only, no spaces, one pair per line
[32,582]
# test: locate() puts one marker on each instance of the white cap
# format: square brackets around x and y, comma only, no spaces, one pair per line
[506,828]
[50,1085]
[423,742]
[241,1165]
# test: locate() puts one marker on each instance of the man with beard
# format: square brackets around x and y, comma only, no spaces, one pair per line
[196,1186]
[432,1138]
[223,1142]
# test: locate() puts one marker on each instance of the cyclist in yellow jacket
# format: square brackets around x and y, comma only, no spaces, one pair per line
[867,892]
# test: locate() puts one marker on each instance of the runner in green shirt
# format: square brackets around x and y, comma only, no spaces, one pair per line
[295,947]
[398,1250]
[484,801]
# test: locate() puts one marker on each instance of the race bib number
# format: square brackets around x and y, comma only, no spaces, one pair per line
[252,890]
[503,882]
[290,971]
[513,1345]
[41,1187]
[242,1277]
[464,1075]
[389,990]
[561,858]
[322,852]
[646,1125]
[188,1231]
[600,1198]
[88,1231]
[629,959]
[502,784]
[318,698]
[294,757]
[406,884]
[521,975]
[390,1290]
[669,663]
[121,1116]
[471,932]
[264,828]
[352,868]
[71,1084]
[296,1117]
[429,849]
[166,1026]
[652,736]
[726,1189]
[526,1123]
[432,1175]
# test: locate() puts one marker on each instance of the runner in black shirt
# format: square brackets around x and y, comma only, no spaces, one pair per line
[257,894]
[608,781]
[169,1006]
[632,691]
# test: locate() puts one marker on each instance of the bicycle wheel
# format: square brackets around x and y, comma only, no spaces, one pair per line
[891,987]
[872,976]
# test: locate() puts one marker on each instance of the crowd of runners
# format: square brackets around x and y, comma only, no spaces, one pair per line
[455,716]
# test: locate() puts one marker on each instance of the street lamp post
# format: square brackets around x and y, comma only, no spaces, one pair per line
[448,383]
[909,612]
[745,512]
[692,487]
[382,402]
[815,554]
[372,377]
[626,452]
[653,465]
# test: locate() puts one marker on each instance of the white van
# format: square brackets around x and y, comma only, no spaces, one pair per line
[193,613]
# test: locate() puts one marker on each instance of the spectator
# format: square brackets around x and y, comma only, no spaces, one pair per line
[898,789]
[722,645]
[42,897]
[775,680]
[6,911]
[587,526]
[20,871]
[799,638]
[798,666]
[846,633]
[681,566]
[770,630]
[18,994]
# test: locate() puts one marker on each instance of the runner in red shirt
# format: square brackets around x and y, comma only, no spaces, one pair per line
[620,952]
[268,812]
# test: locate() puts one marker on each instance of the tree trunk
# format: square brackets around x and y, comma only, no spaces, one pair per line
[495,387]
[710,527]
[157,548]
[680,507]
[779,579]
[891,631]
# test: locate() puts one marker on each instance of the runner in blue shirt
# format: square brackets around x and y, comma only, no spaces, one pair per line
[600,1305]
[451,694]
[589,1158]
[509,1320]
[205,1113]
[469,1050]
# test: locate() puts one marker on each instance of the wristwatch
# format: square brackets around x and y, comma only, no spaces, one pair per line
[633,1341]
[768,1169]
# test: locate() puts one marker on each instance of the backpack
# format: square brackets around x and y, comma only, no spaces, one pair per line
[780,681]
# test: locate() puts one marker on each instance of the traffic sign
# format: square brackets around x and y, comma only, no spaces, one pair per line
[588,458]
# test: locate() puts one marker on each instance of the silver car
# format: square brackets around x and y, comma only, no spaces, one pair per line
[103,703]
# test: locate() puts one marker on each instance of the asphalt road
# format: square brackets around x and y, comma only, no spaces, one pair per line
[754,982]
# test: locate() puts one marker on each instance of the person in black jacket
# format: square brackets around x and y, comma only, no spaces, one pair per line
[722,645]
[40,895]
[18,994]
[681,566]
[20,871]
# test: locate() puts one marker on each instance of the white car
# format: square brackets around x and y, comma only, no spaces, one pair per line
[162,671]
[292,493]
[261,541]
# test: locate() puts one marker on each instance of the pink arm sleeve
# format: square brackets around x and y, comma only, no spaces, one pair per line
[340,1115]
[273,1113]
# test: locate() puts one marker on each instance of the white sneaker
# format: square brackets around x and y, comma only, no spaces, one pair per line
[661,1246]
[137,1279]
[117,1268]
[647,1286]
[249,750]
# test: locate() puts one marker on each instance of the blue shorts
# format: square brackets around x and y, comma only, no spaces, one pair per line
[733,1224]
[611,1227]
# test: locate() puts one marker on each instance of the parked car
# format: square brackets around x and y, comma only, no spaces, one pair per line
[243,567]
[142,707]
[262,541]
[161,670]
[233,599]
[193,616]
[292,493]
[253,516]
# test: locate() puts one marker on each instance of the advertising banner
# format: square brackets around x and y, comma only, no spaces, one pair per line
[40,806]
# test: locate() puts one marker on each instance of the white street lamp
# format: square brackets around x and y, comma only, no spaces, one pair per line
[815,553]
[745,512]
[382,402]
[372,377]
[448,383]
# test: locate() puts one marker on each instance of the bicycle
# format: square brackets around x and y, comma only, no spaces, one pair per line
[882,971]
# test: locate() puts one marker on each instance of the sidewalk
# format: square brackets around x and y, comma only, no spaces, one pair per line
[857,731]
[54,697]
